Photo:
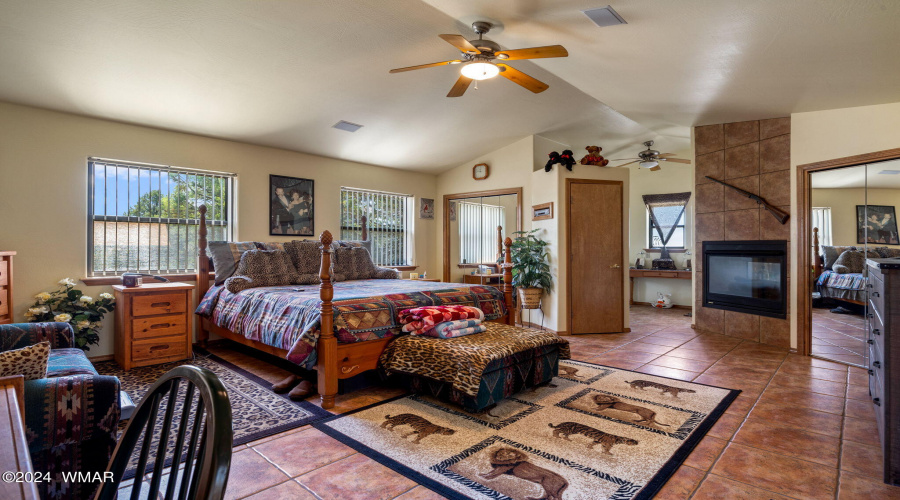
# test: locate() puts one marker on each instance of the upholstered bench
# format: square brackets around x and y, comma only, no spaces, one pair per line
[476,371]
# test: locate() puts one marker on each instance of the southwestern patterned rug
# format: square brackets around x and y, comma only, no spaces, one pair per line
[256,411]
[593,432]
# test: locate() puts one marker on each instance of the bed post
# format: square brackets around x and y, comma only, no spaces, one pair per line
[327,345]
[499,242]
[507,283]
[202,274]
[365,229]
[817,260]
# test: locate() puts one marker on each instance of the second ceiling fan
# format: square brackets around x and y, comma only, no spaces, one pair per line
[479,61]
[650,158]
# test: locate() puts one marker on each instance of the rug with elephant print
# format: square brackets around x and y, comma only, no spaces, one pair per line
[593,432]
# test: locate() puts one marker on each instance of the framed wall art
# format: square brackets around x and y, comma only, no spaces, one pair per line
[426,208]
[543,211]
[291,206]
[876,224]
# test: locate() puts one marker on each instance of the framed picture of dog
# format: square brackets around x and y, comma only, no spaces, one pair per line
[291,206]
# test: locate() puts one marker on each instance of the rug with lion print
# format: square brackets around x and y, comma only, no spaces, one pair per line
[593,432]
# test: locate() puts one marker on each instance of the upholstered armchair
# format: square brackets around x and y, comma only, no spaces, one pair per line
[71,417]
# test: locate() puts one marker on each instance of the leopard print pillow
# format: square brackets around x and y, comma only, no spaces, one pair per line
[263,268]
[852,261]
[353,263]
[29,361]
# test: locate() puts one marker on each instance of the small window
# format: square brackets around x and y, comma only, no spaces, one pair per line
[478,223]
[821,218]
[665,220]
[677,240]
[389,221]
[144,218]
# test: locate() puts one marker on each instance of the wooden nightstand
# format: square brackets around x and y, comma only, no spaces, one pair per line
[153,323]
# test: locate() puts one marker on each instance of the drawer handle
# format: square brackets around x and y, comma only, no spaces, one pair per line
[160,325]
[870,341]
[159,347]
[346,370]
[160,304]
[876,364]
[877,401]
[870,315]
[876,332]
[871,372]
[876,294]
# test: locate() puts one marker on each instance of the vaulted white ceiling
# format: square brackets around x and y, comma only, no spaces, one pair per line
[280,73]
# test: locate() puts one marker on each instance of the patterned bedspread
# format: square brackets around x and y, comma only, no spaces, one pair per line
[288,317]
[850,286]
[461,361]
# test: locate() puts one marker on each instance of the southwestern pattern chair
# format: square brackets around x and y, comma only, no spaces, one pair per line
[72,416]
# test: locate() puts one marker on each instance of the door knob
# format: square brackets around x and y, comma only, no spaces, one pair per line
[615,266]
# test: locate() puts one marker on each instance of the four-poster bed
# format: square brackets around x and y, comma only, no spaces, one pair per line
[848,287]
[335,360]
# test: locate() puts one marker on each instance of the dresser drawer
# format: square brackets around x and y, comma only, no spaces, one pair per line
[162,347]
[158,303]
[4,301]
[159,326]
[4,272]
[877,394]
[876,361]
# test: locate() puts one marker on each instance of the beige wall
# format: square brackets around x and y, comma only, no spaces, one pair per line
[843,204]
[673,178]
[836,133]
[43,204]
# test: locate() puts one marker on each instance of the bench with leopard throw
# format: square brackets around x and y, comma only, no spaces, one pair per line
[476,371]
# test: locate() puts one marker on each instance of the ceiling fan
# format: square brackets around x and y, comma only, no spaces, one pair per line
[479,61]
[650,158]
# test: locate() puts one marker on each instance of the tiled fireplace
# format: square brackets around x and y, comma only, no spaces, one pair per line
[753,156]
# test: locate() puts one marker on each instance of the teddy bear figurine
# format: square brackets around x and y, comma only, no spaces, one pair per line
[593,157]
[554,159]
[567,158]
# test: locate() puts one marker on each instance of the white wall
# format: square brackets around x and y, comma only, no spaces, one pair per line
[43,189]
[843,204]
[836,133]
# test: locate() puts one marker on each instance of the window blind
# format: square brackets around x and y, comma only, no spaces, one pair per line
[821,218]
[390,223]
[478,231]
[144,217]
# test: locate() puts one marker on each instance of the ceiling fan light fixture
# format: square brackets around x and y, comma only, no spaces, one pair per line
[649,164]
[480,70]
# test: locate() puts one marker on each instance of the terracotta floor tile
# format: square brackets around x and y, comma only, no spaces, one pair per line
[860,409]
[730,360]
[420,493]
[742,405]
[617,355]
[705,454]
[859,377]
[861,459]
[726,426]
[251,473]
[777,473]
[647,347]
[818,363]
[664,371]
[861,431]
[681,484]
[749,374]
[792,442]
[664,341]
[814,372]
[857,487]
[287,490]
[615,363]
[785,415]
[291,453]
[810,384]
[681,352]
[690,365]
[356,477]
[731,383]
[716,487]
[860,392]
[822,402]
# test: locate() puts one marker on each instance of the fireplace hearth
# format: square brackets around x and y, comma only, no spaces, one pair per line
[746,276]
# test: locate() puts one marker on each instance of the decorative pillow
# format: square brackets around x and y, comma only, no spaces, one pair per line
[852,261]
[453,329]
[226,255]
[831,253]
[263,268]
[272,245]
[421,319]
[887,252]
[353,263]
[29,361]
[306,256]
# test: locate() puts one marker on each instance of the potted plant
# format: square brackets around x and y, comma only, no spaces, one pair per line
[530,268]
[70,305]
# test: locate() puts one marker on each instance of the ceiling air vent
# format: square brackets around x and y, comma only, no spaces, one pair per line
[347,126]
[889,172]
[605,16]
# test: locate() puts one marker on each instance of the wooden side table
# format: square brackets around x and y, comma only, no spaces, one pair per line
[153,323]
[482,279]
[679,274]
[14,456]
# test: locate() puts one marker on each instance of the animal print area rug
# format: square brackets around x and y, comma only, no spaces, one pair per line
[593,432]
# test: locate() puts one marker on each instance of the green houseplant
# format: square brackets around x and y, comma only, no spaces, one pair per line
[531,268]
[69,305]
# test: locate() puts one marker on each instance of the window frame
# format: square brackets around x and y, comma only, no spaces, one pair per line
[93,277]
[650,231]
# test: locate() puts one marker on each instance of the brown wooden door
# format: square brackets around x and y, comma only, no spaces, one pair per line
[596,271]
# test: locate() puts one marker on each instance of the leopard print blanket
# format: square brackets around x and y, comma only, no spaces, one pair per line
[461,361]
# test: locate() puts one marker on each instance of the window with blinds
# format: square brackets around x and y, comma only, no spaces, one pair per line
[821,218]
[144,218]
[478,231]
[390,223]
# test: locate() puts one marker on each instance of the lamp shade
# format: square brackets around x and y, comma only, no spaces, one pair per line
[480,70]
[649,164]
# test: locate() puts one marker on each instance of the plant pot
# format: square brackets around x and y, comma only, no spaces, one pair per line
[530,298]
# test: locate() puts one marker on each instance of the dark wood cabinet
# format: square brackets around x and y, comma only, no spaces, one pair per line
[884,358]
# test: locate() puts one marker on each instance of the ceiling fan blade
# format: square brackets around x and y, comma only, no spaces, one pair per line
[626,159]
[622,165]
[423,66]
[516,76]
[460,43]
[676,160]
[459,88]
[533,53]
[666,154]
[654,169]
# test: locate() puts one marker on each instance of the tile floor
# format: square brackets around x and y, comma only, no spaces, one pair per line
[839,337]
[802,428]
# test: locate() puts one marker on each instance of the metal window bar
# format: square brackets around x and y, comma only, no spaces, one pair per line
[138,198]
[387,223]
